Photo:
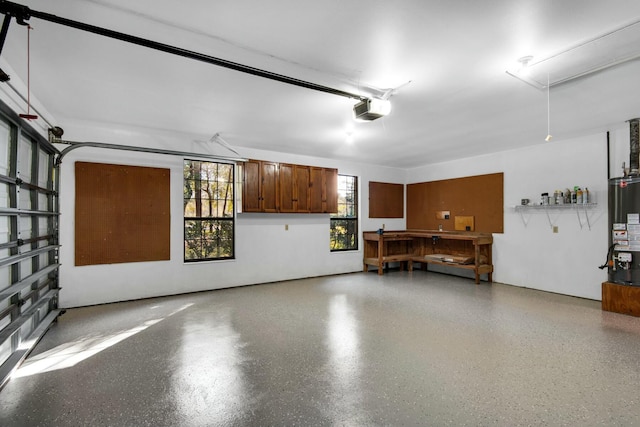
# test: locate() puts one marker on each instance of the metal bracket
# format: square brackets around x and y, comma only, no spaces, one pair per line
[20,12]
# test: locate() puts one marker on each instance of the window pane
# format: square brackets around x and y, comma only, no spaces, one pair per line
[208,210]
[207,239]
[344,234]
[5,138]
[344,224]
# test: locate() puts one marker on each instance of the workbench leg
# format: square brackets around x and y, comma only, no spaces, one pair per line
[476,251]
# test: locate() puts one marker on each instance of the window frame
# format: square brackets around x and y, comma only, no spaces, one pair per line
[348,218]
[214,218]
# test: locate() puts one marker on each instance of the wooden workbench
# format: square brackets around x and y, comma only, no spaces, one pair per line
[448,248]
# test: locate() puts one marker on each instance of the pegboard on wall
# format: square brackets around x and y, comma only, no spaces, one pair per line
[480,197]
[386,200]
[122,214]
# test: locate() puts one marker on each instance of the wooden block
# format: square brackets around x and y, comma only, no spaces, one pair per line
[443,214]
[464,223]
[621,298]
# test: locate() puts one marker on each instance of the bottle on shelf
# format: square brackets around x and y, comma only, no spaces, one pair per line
[559,197]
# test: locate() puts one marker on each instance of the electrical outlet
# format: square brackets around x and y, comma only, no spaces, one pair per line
[555,228]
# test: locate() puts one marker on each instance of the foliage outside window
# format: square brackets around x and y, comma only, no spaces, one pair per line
[208,211]
[344,224]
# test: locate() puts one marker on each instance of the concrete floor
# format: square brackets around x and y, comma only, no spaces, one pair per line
[352,350]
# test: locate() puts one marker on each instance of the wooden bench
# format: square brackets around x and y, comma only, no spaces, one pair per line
[381,249]
[447,248]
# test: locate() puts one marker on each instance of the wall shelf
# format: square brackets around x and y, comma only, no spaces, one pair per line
[581,210]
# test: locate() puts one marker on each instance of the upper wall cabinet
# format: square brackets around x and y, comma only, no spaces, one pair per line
[294,188]
[260,186]
[288,188]
[323,190]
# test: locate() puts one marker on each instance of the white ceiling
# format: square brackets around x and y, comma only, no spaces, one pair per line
[460,101]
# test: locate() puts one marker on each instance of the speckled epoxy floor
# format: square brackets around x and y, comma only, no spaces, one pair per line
[352,350]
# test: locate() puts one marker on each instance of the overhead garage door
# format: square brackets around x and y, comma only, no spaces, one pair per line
[28,239]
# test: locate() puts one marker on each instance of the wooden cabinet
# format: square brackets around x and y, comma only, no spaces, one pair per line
[302,189]
[619,298]
[331,190]
[294,188]
[260,186]
[316,188]
[323,190]
[251,186]
[288,188]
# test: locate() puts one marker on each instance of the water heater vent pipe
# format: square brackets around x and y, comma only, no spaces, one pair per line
[634,154]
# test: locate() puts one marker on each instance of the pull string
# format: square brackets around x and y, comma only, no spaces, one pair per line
[29,116]
[548,107]
[548,138]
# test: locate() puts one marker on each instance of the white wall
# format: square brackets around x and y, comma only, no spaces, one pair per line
[525,255]
[265,251]
[531,255]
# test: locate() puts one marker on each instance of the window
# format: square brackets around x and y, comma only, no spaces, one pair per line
[344,224]
[209,221]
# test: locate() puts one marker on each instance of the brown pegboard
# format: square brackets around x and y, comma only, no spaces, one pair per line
[480,196]
[386,200]
[122,214]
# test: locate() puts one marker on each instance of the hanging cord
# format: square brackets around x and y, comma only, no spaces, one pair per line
[609,252]
[29,116]
[548,138]
[548,107]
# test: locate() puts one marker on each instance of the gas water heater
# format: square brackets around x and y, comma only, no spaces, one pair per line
[624,219]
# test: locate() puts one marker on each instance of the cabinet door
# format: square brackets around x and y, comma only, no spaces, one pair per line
[301,189]
[287,188]
[316,190]
[269,186]
[251,187]
[330,202]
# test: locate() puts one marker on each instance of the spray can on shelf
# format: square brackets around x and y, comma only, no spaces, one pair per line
[585,196]
[579,196]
